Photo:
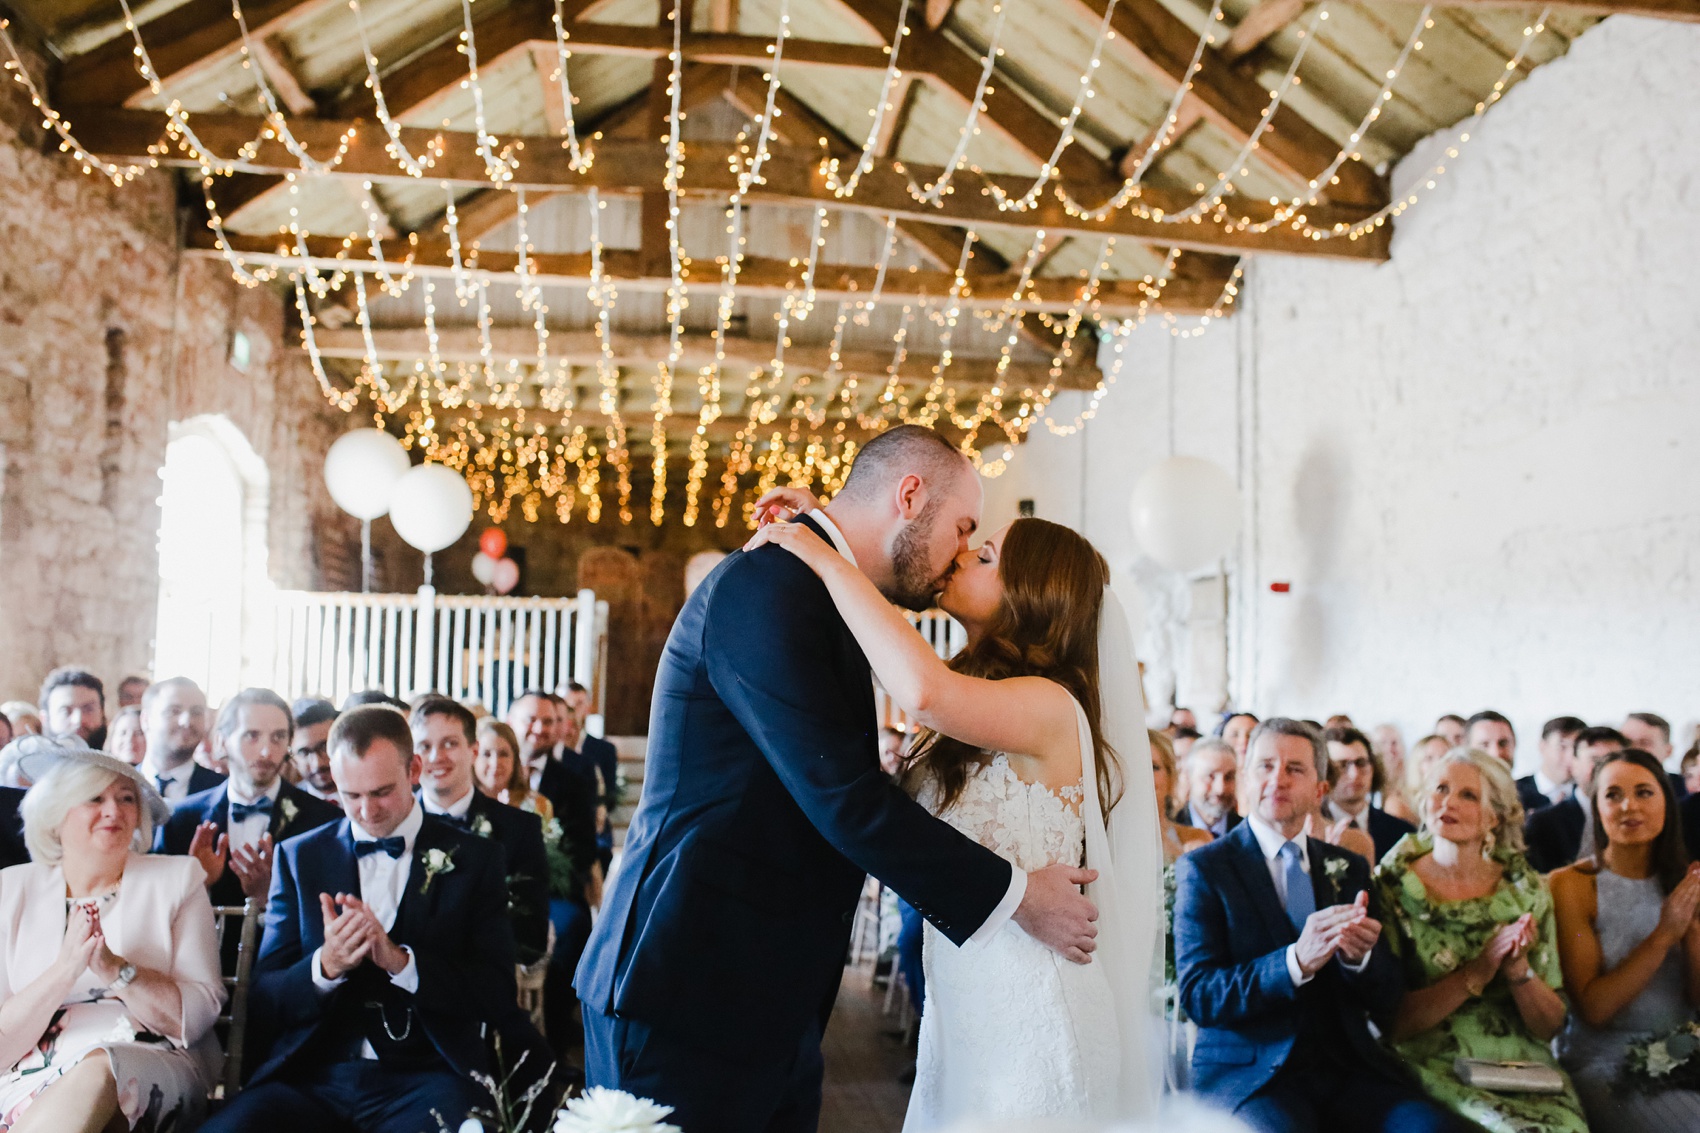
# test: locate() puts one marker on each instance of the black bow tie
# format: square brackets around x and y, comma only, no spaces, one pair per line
[241,812]
[394,846]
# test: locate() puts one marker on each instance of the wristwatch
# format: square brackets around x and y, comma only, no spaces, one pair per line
[126,975]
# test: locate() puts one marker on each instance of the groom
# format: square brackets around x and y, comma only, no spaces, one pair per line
[711,973]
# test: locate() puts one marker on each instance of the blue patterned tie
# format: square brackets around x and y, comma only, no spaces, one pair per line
[242,812]
[1301,899]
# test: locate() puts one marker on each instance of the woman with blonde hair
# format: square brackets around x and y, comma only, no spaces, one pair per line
[109,969]
[1424,754]
[124,737]
[1472,924]
[501,775]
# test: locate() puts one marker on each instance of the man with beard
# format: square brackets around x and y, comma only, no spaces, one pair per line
[174,720]
[310,749]
[601,755]
[73,703]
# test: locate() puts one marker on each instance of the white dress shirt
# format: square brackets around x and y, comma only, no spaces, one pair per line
[383,880]
[1270,841]
[1337,812]
[1018,880]
[175,783]
[255,826]
[1555,792]
[456,809]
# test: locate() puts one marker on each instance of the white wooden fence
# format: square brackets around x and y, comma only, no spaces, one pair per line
[470,647]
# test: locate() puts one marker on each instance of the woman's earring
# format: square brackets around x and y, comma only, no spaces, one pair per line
[1487,845]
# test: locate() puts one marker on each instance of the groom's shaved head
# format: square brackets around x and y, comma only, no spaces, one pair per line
[903,451]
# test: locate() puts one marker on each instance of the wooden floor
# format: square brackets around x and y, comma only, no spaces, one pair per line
[862,1093]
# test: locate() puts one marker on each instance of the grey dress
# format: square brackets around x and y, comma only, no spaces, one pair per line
[1628,911]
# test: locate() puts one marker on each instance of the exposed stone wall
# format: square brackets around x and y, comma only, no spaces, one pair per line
[107,336]
[1478,465]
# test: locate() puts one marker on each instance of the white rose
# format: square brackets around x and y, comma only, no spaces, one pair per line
[600,1110]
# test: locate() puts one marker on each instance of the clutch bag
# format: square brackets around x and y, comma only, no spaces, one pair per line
[1508,1076]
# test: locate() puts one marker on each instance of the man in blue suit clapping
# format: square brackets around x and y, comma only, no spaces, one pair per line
[1281,963]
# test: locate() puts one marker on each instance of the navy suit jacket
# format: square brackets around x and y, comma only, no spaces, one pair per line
[519,834]
[763,807]
[1231,938]
[1385,830]
[573,795]
[214,806]
[1553,835]
[1689,808]
[13,851]
[458,930]
[1530,795]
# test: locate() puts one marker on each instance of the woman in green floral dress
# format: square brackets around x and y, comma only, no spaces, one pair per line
[1472,925]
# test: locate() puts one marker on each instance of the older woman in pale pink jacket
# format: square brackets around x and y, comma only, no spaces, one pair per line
[109,970]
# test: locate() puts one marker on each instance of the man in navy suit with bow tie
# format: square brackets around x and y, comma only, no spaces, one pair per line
[1281,963]
[387,951]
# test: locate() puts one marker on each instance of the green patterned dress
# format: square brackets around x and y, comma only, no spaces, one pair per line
[1431,939]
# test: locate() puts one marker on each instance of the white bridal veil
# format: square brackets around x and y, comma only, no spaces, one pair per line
[1127,852]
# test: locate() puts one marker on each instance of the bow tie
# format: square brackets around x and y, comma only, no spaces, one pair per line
[394,846]
[242,812]
[459,821]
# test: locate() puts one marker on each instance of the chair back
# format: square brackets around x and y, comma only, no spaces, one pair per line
[235,1019]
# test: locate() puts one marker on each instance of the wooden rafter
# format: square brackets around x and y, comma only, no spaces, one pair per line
[1259,25]
[1683,11]
[632,167]
[273,59]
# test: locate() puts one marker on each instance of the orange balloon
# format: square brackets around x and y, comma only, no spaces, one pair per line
[493,542]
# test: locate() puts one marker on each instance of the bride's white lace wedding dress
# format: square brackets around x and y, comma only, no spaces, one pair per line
[1009,1028]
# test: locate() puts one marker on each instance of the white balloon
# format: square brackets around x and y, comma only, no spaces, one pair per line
[431,507]
[1185,512]
[361,470]
[483,568]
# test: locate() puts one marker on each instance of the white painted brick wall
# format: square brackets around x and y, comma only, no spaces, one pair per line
[1478,464]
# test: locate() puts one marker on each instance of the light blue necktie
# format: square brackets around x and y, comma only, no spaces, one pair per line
[1301,899]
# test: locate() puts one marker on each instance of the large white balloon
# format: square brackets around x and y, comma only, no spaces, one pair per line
[431,507]
[1186,512]
[361,470]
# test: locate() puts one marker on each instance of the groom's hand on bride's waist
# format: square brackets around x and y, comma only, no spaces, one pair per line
[1056,914]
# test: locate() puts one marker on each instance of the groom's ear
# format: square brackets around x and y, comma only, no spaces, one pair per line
[910,496]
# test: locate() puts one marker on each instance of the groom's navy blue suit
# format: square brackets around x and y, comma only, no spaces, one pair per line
[713,968]
[1287,1059]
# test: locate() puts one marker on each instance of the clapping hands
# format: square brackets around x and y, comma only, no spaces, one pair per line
[1344,930]
[1677,919]
[1504,952]
[354,935]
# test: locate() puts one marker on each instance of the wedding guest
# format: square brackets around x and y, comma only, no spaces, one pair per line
[309,750]
[1691,770]
[174,719]
[1649,732]
[1551,779]
[1236,730]
[369,696]
[232,829]
[109,979]
[22,716]
[1358,776]
[124,737]
[892,741]
[1388,743]
[1555,835]
[604,757]
[1629,943]
[1212,771]
[1280,958]
[1318,824]
[445,738]
[1471,923]
[1182,718]
[73,702]
[371,1012]
[130,691]
[1177,839]
[1451,728]
[1338,720]
[500,773]
[210,754]
[1183,739]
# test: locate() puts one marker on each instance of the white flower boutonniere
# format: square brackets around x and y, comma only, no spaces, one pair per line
[481,826]
[601,1110]
[290,810]
[1334,870]
[437,861]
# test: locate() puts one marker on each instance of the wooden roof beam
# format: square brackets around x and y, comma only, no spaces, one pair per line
[1260,25]
[1682,11]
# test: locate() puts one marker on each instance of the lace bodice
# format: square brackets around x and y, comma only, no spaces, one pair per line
[1027,823]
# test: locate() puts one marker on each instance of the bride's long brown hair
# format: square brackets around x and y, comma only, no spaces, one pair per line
[1046,625]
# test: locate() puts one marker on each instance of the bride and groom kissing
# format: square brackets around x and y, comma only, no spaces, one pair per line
[711,973]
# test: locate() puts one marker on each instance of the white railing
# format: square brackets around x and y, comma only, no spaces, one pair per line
[470,647]
[945,635]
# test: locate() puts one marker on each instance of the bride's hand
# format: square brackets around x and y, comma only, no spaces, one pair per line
[784,503]
[799,540]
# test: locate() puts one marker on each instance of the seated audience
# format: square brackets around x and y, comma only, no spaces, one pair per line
[174,720]
[124,737]
[445,740]
[95,1038]
[232,829]
[23,717]
[1471,923]
[1556,834]
[1551,779]
[1279,958]
[309,749]
[1690,770]
[1177,839]
[603,762]
[1357,775]
[1389,746]
[1338,720]
[1451,728]
[501,774]
[1629,942]
[370,1011]
[1649,732]
[1212,772]
[1183,740]
[73,703]
[368,696]
[130,691]
[1181,718]
[1235,729]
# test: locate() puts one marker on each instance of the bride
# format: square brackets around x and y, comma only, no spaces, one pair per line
[1028,738]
